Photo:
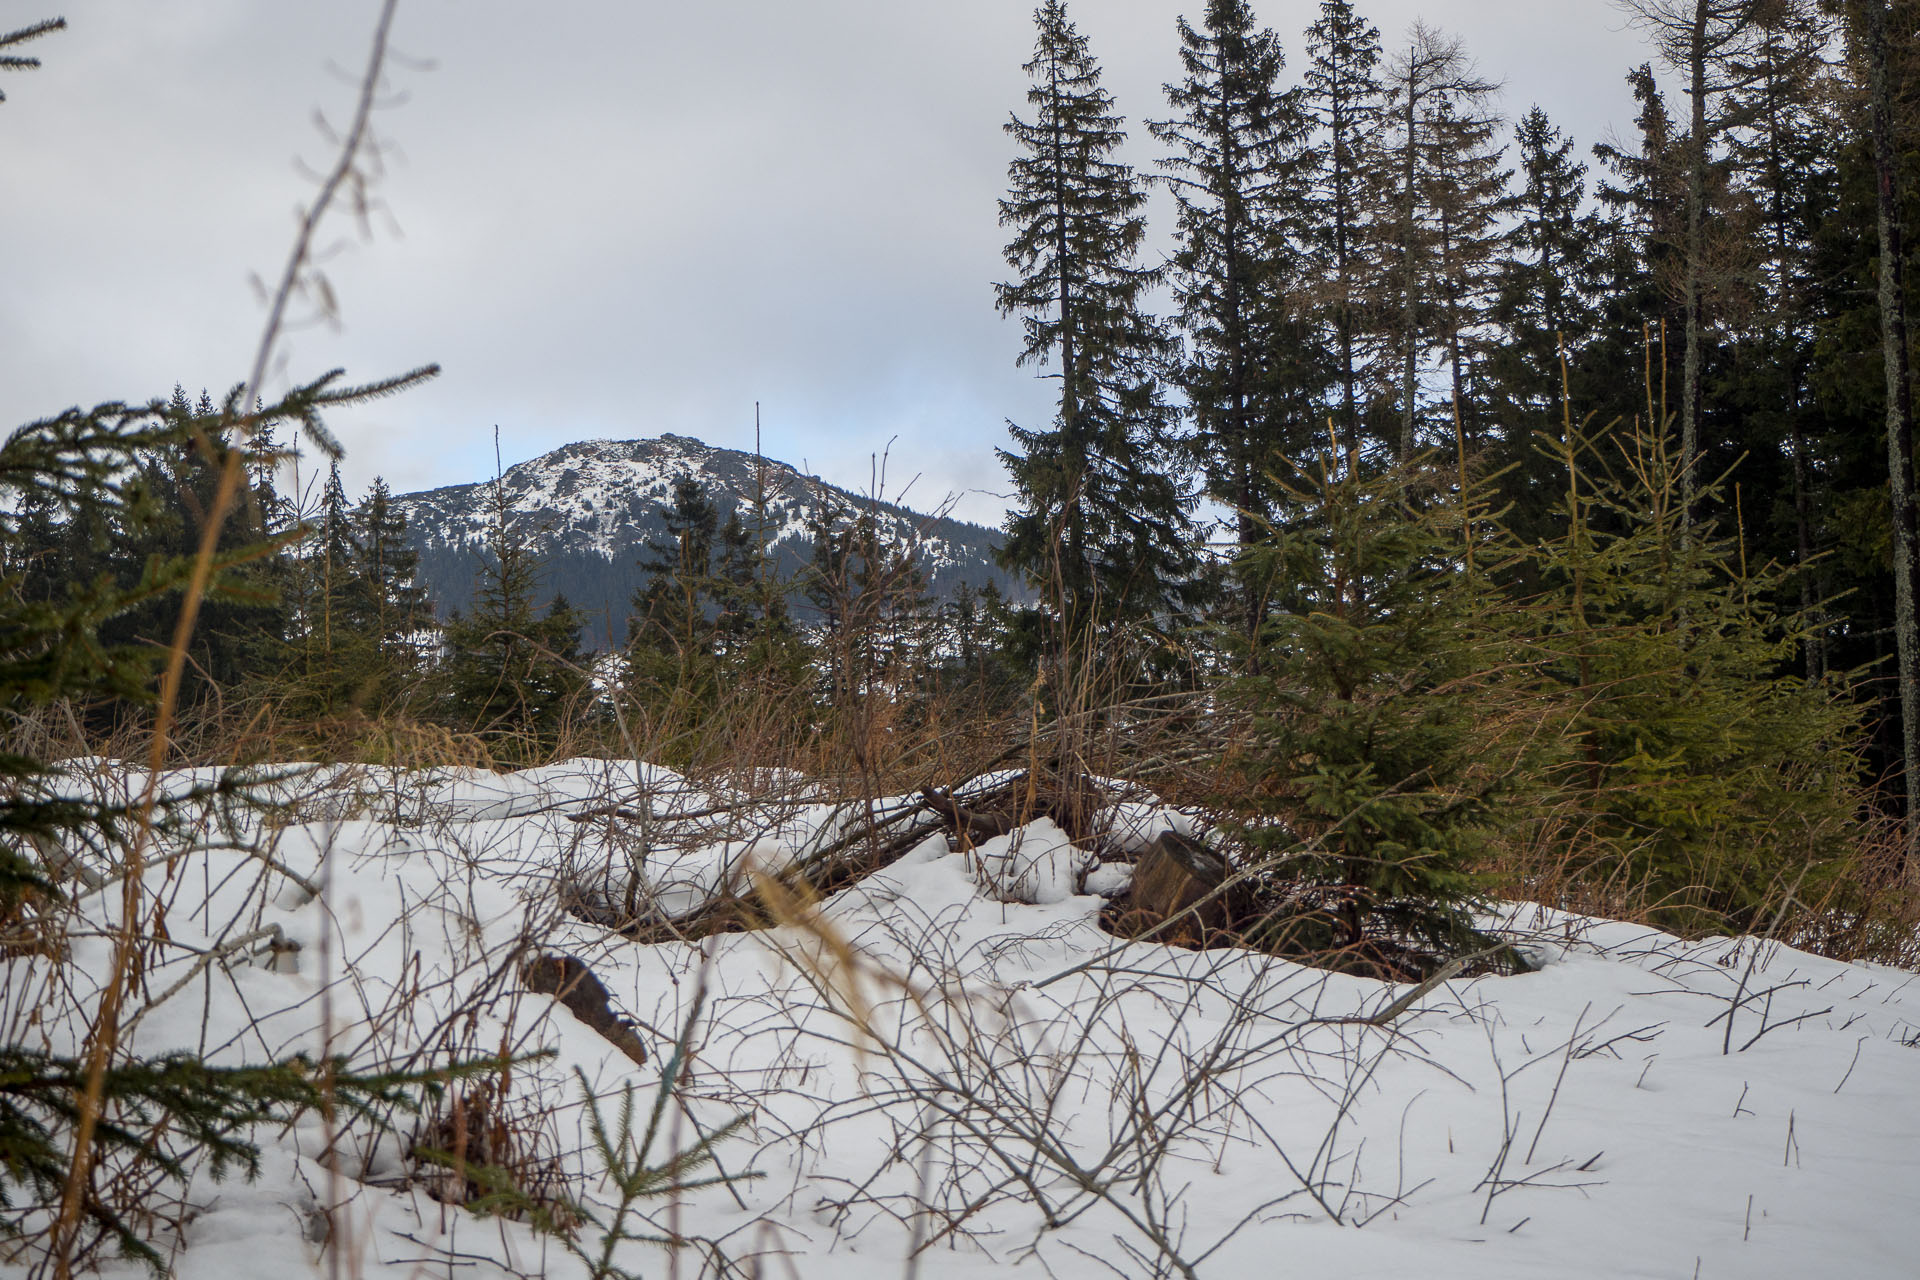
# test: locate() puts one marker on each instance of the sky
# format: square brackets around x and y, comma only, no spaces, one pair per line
[605,218]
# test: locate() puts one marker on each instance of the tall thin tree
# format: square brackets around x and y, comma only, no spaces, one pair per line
[1342,98]
[1438,121]
[1101,523]
[1236,173]
[1700,39]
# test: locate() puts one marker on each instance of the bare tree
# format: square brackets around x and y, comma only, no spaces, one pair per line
[1440,124]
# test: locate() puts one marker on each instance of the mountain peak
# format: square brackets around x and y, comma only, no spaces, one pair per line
[588,509]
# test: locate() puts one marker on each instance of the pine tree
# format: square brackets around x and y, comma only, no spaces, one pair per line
[1343,99]
[1375,758]
[510,673]
[390,608]
[1253,374]
[1548,297]
[1101,525]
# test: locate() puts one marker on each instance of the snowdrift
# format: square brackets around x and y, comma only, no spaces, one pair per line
[949,1070]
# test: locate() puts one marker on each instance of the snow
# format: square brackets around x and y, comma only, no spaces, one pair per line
[1036,864]
[951,1053]
[602,496]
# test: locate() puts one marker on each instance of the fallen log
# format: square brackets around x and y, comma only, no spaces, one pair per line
[974,827]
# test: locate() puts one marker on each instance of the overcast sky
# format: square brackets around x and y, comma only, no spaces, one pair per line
[604,218]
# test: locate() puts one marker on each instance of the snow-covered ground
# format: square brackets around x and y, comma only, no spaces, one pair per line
[951,1071]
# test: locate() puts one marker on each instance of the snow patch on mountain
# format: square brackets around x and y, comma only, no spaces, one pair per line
[589,509]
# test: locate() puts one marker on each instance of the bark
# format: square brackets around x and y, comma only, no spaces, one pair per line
[1695,253]
[1342,218]
[1410,317]
[1456,359]
[1893,333]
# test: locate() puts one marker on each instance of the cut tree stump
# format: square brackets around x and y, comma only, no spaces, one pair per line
[1173,874]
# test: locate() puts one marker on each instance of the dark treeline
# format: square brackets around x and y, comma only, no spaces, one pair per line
[1624,425]
[322,635]
[1371,249]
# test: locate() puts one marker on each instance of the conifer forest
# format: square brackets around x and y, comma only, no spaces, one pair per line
[1438,789]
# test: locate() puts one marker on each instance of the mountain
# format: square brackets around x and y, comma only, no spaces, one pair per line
[590,508]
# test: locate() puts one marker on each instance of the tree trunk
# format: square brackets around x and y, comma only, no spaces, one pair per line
[1067,601]
[1787,303]
[1456,360]
[1893,334]
[1410,313]
[1342,217]
[1695,253]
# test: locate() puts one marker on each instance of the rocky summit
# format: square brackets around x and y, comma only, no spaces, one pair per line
[589,509]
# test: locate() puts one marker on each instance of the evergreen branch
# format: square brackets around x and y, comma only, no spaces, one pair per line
[12,62]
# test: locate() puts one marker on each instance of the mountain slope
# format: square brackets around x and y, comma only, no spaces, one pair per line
[590,508]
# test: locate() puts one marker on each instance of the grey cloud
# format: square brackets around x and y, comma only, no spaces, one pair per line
[615,218]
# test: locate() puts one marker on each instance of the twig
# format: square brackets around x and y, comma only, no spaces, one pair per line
[104,1034]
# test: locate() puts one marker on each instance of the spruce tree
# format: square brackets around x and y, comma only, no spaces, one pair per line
[1853,401]
[16,38]
[1702,41]
[1871,20]
[159,1117]
[1101,527]
[344,598]
[1547,301]
[335,655]
[736,581]
[1472,210]
[511,674]
[235,644]
[674,636]
[1700,771]
[1377,754]
[1549,281]
[1623,371]
[1253,373]
[1781,146]
[671,609]
[390,608]
[1343,99]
